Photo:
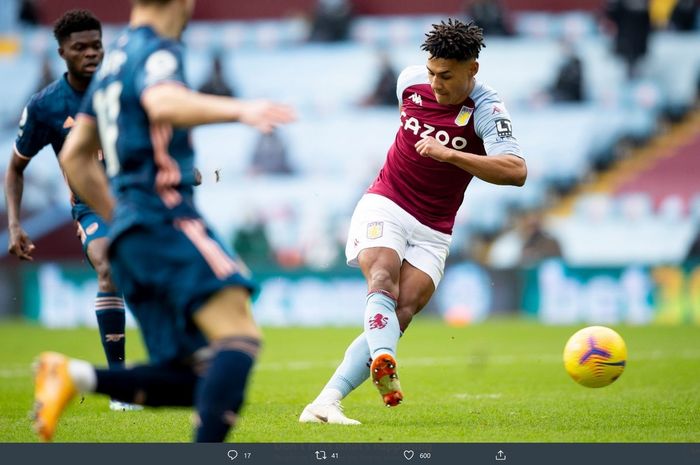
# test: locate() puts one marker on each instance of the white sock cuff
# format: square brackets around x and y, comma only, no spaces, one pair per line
[83,375]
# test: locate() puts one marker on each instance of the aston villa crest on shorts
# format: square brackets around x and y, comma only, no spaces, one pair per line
[375,230]
[463,117]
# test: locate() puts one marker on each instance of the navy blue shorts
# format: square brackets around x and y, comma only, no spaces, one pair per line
[166,272]
[90,227]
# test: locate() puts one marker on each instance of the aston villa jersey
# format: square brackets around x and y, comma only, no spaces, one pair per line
[430,190]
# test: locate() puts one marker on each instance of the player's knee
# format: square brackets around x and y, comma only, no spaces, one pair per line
[381,278]
[104,277]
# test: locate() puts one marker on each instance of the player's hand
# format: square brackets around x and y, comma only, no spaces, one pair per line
[20,244]
[430,147]
[266,116]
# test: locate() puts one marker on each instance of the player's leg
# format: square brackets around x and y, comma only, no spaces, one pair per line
[352,371]
[165,382]
[420,274]
[227,323]
[214,295]
[417,289]
[109,304]
[381,268]
[377,241]
[375,225]
[59,379]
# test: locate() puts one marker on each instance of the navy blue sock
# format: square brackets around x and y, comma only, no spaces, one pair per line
[220,393]
[109,308]
[152,385]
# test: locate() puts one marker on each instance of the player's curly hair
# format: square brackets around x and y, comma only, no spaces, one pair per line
[75,21]
[454,39]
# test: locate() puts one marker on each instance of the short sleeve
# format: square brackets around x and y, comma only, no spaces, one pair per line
[410,76]
[33,134]
[162,65]
[493,125]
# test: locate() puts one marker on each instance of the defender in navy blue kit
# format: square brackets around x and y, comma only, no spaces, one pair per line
[191,298]
[46,120]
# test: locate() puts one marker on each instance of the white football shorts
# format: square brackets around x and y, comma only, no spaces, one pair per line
[379,222]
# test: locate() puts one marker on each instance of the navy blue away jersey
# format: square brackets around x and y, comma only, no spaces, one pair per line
[47,119]
[150,166]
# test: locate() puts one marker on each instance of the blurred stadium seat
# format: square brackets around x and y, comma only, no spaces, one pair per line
[337,146]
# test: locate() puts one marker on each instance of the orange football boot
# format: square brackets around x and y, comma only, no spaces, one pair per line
[53,389]
[383,371]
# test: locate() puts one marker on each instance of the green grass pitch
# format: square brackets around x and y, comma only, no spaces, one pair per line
[501,381]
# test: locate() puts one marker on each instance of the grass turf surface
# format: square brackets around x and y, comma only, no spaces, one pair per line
[502,381]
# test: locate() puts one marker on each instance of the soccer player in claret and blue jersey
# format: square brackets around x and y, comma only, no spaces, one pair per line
[191,299]
[453,127]
[47,119]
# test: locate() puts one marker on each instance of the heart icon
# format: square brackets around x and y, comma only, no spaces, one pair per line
[408,454]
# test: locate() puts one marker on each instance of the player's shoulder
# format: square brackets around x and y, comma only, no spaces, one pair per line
[46,96]
[143,44]
[483,94]
[154,43]
[162,55]
[412,75]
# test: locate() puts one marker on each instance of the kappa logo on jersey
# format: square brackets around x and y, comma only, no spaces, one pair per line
[416,99]
[375,230]
[496,109]
[68,123]
[504,128]
[378,321]
[463,117]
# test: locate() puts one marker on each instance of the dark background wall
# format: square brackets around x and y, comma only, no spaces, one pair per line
[237,9]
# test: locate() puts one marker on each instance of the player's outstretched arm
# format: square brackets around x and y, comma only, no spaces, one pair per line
[86,177]
[19,243]
[503,169]
[182,107]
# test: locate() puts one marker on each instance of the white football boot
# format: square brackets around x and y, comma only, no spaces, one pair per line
[118,406]
[326,413]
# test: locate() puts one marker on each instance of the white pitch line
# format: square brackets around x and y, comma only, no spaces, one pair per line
[467,396]
[16,371]
[476,359]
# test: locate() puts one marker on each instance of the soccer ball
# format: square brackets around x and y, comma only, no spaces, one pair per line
[595,356]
